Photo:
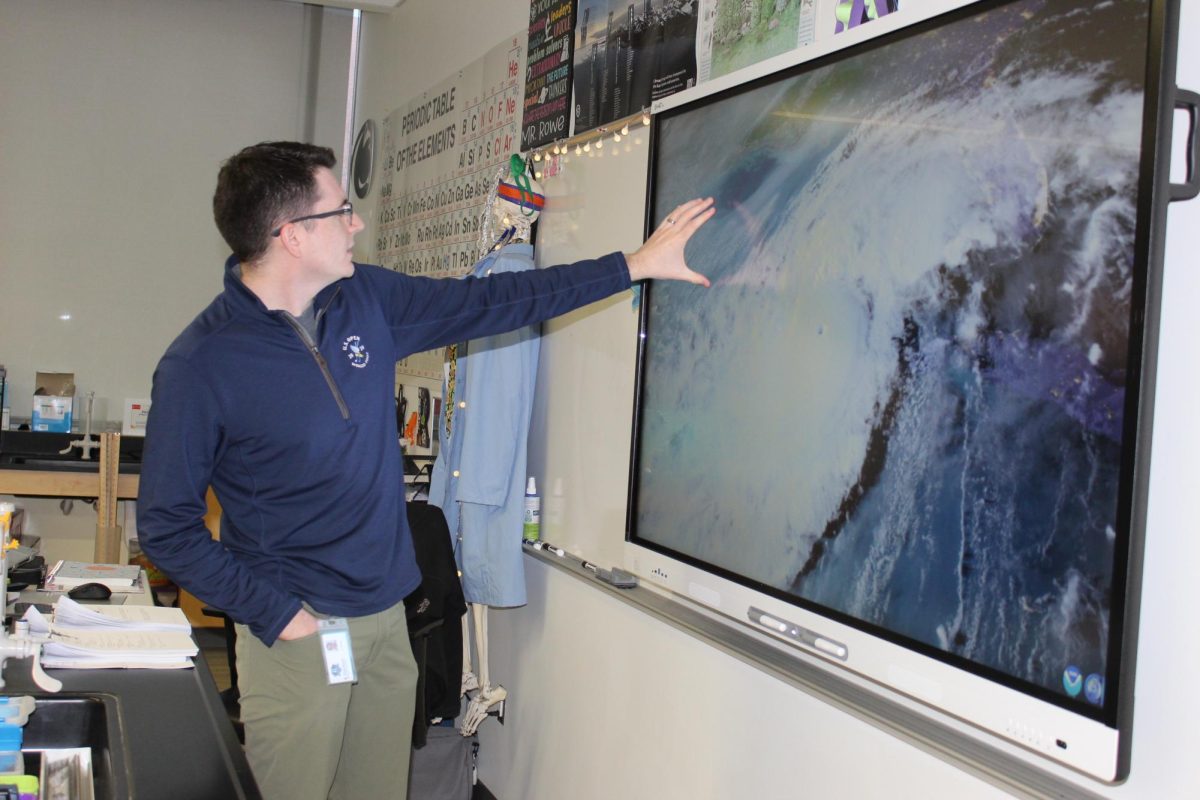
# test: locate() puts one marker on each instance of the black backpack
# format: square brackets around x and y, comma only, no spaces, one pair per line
[434,611]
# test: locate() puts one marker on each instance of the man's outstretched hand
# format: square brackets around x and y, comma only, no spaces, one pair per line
[661,256]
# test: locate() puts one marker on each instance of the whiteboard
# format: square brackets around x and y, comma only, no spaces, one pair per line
[579,440]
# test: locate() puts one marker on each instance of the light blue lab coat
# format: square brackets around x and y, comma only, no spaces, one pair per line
[479,476]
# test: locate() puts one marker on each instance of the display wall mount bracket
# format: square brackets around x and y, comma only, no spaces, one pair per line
[1188,101]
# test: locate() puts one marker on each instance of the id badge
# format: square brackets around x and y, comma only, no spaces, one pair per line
[335,647]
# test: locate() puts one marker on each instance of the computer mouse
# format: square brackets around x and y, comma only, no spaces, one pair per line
[90,591]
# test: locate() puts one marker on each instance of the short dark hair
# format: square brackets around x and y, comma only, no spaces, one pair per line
[263,186]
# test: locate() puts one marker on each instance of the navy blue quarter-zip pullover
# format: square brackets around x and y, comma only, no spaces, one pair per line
[298,436]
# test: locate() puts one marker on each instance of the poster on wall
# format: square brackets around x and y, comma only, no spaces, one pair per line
[548,72]
[738,33]
[629,53]
[852,13]
[438,156]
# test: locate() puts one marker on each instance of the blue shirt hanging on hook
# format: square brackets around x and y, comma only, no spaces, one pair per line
[479,476]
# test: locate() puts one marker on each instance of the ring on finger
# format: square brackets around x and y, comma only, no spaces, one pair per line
[670,221]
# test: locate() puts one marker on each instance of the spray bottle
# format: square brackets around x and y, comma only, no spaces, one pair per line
[533,512]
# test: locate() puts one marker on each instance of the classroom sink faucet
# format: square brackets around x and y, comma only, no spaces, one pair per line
[85,444]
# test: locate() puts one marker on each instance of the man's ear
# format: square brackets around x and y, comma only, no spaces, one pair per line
[289,238]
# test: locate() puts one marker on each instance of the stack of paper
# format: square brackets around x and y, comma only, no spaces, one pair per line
[102,649]
[101,637]
[70,614]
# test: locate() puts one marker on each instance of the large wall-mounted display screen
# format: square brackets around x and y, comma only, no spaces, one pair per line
[910,400]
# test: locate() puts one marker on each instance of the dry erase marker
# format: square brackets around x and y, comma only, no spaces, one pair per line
[589,565]
[558,551]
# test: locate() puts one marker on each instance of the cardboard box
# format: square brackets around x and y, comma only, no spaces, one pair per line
[53,402]
[136,413]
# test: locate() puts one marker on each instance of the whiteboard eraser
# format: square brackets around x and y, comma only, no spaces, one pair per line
[618,578]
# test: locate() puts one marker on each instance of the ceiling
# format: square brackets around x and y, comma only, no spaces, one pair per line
[385,6]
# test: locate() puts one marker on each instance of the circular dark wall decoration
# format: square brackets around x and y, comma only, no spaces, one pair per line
[363,161]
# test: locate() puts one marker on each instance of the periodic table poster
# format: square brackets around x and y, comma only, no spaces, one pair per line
[438,157]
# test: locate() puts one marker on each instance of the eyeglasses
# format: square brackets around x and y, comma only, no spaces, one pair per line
[345,210]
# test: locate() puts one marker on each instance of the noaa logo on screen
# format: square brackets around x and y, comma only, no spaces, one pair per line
[1072,681]
[1093,689]
[353,348]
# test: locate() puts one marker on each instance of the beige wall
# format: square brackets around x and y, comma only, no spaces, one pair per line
[114,117]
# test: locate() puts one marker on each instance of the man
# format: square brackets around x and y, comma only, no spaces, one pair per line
[280,396]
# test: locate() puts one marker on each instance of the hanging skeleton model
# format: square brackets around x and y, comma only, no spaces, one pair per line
[512,206]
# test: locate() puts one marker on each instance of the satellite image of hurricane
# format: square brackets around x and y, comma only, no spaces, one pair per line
[903,398]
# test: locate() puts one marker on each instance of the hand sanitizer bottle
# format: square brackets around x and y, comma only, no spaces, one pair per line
[533,512]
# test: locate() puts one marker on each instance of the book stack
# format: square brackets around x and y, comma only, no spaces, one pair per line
[66,575]
[113,637]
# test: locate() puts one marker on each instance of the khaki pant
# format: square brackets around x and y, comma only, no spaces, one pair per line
[307,739]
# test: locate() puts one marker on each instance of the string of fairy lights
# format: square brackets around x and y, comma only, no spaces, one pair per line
[590,143]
